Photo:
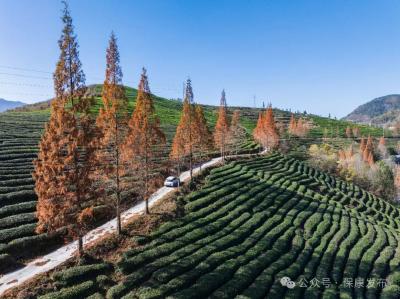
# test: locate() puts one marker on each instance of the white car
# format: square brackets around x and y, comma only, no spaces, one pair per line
[171,181]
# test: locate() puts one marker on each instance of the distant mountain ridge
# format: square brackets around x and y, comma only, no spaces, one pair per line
[379,111]
[5,105]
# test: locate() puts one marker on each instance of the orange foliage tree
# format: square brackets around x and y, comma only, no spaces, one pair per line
[222,126]
[63,171]
[345,157]
[362,144]
[367,153]
[298,128]
[302,127]
[265,132]
[370,144]
[258,130]
[382,141]
[203,141]
[356,132]
[382,150]
[144,145]
[272,137]
[186,131]
[292,125]
[237,134]
[112,121]
[370,159]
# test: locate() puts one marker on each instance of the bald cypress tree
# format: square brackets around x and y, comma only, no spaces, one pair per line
[112,121]
[178,149]
[271,138]
[265,132]
[203,141]
[222,127]
[144,145]
[64,168]
[362,144]
[258,131]
[356,132]
[237,134]
[185,137]
[292,125]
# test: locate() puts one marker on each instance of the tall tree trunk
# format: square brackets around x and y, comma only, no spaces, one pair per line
[146,186]
[118,203]
[191,165]
[118,211]
[147,207]
[223,148]
[190,141]
[80,246]
[179,172]
[190,156]
[78,198]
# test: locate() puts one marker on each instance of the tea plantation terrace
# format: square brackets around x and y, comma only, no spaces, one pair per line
[255,221]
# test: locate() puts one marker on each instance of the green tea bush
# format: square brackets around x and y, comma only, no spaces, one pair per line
[82,290]
[9,234]
[80,273]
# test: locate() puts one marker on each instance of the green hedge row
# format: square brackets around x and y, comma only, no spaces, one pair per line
[29,246]
[16,220]
[16,156]
[16,182]
[17,197]
[7,235]
[5,190]
[80,273]
[18,208]
[82,290]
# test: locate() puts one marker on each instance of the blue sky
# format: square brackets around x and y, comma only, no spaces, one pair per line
[320,56]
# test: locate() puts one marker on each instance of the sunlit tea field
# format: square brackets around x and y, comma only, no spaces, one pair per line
[255,222]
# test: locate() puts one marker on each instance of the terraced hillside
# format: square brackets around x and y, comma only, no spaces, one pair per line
[19,136]
[20,133]
[254,222]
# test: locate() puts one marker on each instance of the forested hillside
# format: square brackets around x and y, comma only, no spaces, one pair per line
[6,105]
[380,111]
